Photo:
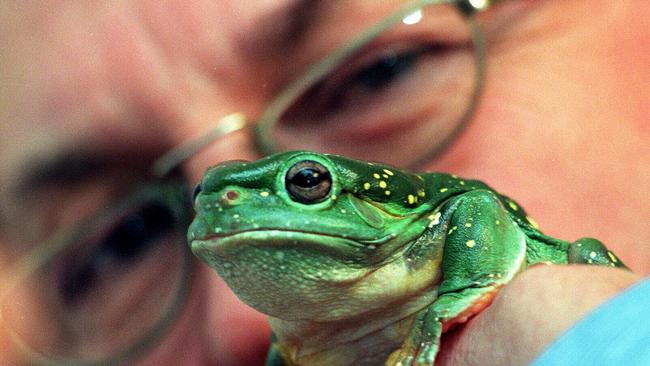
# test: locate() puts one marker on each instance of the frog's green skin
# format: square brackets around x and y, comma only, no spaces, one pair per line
[378,269]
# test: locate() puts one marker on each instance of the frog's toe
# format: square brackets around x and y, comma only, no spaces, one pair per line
[592,251]
[401,357]
[426,354]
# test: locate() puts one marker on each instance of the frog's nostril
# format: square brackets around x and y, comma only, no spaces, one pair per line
[231,195]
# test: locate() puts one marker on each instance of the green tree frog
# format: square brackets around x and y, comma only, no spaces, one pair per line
[359,263]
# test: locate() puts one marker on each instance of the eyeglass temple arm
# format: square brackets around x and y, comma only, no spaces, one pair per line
[170,160]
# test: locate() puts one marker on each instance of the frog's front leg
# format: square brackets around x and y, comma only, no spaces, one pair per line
[483,250]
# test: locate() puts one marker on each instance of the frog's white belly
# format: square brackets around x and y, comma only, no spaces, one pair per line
[367,340]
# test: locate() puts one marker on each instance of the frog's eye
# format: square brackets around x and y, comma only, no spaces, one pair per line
[308,182]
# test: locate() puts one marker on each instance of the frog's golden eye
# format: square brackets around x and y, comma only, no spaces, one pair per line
[308,182]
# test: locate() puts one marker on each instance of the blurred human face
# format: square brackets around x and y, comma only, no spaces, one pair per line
[562,125]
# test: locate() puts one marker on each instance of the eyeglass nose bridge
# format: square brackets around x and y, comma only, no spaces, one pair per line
[225,126]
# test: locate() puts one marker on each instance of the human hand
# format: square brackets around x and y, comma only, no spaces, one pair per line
[528,314]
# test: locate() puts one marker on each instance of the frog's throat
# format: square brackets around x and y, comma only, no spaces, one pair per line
[340,246]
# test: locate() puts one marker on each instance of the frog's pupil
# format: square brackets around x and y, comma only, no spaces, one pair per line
[306,178]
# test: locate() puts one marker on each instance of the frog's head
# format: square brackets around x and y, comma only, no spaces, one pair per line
[305,235]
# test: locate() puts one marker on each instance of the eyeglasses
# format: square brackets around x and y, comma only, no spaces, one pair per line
[110,288]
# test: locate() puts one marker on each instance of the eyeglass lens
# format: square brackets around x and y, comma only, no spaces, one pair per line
[113,283]
[395,98]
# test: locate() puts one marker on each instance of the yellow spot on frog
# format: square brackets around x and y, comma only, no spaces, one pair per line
[421,193]
[592,255]
[454,176]
[612,256]
[443,190]
[452,230]
[264,194]
[387,192]
[366,186]
[532,222]
[376,175]
[334,197]
[382,184]
[388,172]
[385,176]
[411,199]
[471,243]
[497,222]
[513,205]
[468,225]
[462,182]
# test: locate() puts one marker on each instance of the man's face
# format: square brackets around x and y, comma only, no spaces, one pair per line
[107,88]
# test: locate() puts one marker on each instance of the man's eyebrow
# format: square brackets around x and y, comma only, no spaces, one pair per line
[63,168]
[67,167]
[301,17]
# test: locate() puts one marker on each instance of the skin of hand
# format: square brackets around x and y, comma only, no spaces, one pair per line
[562,127]
[529,313]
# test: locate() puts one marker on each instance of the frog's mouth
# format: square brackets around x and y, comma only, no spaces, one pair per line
[283,273]
[225,244]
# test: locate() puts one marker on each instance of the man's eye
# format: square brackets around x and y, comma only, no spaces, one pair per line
[413,97]
[122,245]
[381,77]
[400,96]
[107,284]
[386,70]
